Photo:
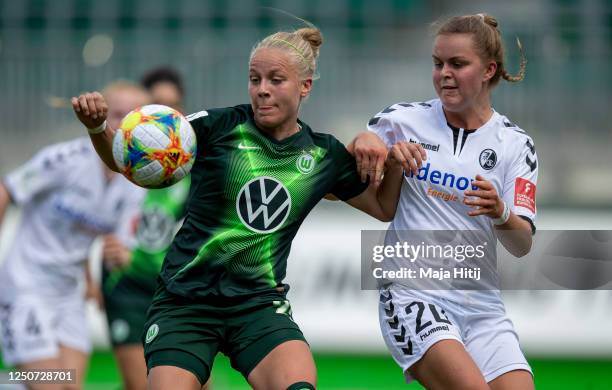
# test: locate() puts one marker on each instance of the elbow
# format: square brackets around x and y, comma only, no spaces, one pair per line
[522,250]
[386,216]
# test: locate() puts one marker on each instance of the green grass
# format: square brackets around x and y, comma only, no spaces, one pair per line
[377,372]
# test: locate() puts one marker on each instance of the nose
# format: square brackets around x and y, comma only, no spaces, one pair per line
[263,89]
[445,71]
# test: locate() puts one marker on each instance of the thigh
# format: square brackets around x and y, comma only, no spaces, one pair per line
[253,333]
[288,363]
[73,359]
[513,380]
[28,333]
[171,377]
[447,365]
[131,362]
[42,364]
[183,334]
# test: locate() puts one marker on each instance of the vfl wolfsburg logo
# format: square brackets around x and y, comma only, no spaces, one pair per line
[155,230]
[263,204]
[305,163]
[151,333]
[488,159]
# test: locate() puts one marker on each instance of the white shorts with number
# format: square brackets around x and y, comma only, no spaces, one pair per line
[33,327]
[412,321]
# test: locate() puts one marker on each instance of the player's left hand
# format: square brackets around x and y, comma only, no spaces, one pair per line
[370,154]
[485,200]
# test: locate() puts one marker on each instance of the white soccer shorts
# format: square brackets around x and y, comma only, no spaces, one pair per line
[412,321]
[33,327]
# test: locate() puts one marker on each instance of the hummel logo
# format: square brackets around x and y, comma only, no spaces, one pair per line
[248,147]
[433,148]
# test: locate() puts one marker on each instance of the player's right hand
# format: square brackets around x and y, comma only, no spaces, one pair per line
[90,108]
[114,253]
[409,155]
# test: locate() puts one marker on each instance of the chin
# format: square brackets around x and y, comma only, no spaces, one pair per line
[452,104]
[266,121]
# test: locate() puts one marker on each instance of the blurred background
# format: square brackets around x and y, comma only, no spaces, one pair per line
[375,53]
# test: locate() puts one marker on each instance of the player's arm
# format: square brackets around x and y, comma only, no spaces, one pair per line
[91,109]
[515,233]
[381,202]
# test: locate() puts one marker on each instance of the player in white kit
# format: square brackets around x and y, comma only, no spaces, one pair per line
[467,167]
[68,197]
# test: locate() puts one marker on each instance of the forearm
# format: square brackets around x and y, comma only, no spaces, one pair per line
[389,191]
[103,143]
[515,235]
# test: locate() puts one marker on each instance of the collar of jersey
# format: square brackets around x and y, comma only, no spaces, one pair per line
[445,124]
[299,139]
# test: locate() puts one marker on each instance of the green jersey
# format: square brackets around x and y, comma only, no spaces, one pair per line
[249,195]
[156,224]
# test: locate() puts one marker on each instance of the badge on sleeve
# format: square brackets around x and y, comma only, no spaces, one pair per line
[525,194]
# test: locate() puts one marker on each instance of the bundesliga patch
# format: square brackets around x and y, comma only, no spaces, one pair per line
[524,194]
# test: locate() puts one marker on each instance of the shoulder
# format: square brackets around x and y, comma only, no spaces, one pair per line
[405,112]
[73,152]
[216,116]
[325,140]
[511,133]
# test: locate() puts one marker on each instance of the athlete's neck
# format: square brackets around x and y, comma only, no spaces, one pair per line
[283,131]
[472,117]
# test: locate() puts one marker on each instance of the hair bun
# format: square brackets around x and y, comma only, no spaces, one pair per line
[313,37]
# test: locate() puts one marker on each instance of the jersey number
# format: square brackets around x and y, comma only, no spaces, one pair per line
[420,326]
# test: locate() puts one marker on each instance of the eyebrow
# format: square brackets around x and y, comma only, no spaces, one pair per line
[460,58]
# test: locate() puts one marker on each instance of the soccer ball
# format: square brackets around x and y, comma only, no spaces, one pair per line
[155,146]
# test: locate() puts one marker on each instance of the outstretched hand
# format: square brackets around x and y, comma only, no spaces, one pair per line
[90,108]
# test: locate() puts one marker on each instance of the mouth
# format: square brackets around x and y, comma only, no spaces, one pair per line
[266,108]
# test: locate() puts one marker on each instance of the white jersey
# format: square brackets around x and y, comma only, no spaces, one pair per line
[66,202]
[433,200]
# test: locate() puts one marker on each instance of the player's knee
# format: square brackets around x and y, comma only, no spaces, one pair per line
[301,386]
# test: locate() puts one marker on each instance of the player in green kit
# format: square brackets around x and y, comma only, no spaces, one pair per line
[258,173]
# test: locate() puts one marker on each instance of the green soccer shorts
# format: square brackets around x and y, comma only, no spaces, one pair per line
[188,333]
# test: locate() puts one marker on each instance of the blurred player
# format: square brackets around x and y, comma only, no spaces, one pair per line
[68,197]
[165,86]
[258,173]
[460,339]
[130,274]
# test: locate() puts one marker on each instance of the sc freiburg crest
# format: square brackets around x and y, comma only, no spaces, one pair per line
[488,159]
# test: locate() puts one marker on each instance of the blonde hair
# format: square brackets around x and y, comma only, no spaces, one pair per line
[487,41]
[302,45]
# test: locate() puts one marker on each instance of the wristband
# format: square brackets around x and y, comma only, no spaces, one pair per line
[97,130]
[504,217]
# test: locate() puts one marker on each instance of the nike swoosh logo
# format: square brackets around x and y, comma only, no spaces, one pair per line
[247,147]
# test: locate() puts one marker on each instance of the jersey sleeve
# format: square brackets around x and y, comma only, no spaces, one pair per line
[47,170]
[209,125]
[348,183]
[382,125]
[521,180]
